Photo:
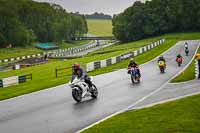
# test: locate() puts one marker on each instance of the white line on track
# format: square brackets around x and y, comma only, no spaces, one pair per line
[165,101]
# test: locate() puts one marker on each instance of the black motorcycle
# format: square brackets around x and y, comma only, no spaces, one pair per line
[186,51]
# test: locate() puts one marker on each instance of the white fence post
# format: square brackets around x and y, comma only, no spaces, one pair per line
[114,60]
[103,63]
[196,69]
[90,66]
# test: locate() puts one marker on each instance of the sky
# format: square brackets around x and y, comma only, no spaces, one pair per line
[90,6]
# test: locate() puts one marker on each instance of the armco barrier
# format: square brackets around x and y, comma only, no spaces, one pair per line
[70,51]
[97,65]
[113,60]
[118,59]
[15,80]
[21,58]
[62,71]
[24,78]
[108,62]
[1,83]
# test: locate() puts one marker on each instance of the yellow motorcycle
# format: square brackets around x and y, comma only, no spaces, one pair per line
[162,66]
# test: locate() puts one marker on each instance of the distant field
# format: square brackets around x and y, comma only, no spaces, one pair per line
[14,52]
[100,27]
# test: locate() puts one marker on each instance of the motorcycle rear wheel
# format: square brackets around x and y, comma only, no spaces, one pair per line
[134,80]
[162,70]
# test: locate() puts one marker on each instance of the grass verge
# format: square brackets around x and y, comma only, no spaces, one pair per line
[181,116]
[73,44]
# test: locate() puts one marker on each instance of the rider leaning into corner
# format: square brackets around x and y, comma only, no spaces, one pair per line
[133,64]
[79,72]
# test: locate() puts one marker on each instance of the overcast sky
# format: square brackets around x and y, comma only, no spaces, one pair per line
[90,6]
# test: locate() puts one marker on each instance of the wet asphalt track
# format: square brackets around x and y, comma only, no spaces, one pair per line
[54,110]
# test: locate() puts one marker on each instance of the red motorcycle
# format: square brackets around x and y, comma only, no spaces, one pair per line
[179,60]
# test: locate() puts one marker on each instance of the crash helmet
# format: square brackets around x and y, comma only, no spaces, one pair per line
[76,66]
[161,57]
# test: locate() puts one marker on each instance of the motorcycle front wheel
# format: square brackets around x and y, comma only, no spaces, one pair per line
[133,79]
[94,93]
[77,95]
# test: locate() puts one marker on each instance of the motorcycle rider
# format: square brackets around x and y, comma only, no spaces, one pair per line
[133,64]
[186,49]
[186,45]
[79,72]
[161,59]
[179,58]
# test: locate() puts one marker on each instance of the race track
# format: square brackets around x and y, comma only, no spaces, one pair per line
[54,110]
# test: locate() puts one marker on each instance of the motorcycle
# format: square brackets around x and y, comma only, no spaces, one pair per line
[187,51]
[135,77]
[179,61]
[80,89]
[162,66]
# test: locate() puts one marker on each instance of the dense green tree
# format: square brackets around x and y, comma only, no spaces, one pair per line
[25,21]
[157,17]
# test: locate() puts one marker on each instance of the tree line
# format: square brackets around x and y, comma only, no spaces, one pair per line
[25,21]
[97,15]
[157,17]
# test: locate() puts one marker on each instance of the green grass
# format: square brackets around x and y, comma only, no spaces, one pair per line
[181,116]
[188,74]
[15,52]
[21,51]
[73,44]
[44,75]
[100,27]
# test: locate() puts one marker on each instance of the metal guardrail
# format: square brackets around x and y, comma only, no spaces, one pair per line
[24,78]
[60,71]
[1,83]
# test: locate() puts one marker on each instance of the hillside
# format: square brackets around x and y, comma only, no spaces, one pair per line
[100,27]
